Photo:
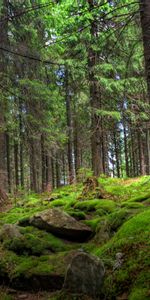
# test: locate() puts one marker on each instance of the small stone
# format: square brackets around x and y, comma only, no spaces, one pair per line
[23,296]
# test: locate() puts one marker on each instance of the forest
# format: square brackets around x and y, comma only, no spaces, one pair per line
[74,149]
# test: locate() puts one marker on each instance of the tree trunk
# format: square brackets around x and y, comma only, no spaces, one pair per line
[3,67]
[57,172]
[145,24]
[43,161]
[8,161]
[76,146]
[33,171]
[95,101]
[21,145]
[16,152]
[69,126]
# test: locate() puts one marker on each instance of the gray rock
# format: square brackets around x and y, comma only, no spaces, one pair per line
[10,231]
[85,275]
[61,224]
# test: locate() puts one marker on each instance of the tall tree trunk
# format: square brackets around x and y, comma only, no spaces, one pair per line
[126,149]
[33,171]
[69,126]
[145,24]
[76,146]
[95,101]
[3,67]
[21,145]
[43,161]
[48,173]
[16,153]
[8,161]
[57,171]
[53,172]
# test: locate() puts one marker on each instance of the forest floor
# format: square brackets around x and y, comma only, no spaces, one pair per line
[117,211]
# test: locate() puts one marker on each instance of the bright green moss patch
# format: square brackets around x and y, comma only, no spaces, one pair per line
[77,214]
[117,218]
[93,223]
[139,293]
[141,198]
[87,205]
[93,205]
[129,204]
[57,203]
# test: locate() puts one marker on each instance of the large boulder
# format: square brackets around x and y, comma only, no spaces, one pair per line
[61,224]
[84,275]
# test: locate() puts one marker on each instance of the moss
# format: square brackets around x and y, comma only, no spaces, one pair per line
[139,293]
[93,223]
[15,266]
[44,265]
[87,205]
[132,239]
[101,212]
[117,218]
[140,289]
[35,242]
[132,204]
[77,214]
[57,203]
[94,205]
[131,232]
[141,198]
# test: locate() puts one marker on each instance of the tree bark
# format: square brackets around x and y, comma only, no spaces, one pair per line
[145,24]
[95,102]
[69,126]
[21,145]
[16,152]
[3,67]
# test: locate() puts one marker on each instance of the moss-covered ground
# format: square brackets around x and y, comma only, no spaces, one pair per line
[120,222]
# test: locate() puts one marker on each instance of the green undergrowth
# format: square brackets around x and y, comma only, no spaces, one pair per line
[120,224]
[132,240]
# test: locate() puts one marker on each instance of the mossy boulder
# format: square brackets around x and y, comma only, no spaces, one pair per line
[61,224]
[35,242]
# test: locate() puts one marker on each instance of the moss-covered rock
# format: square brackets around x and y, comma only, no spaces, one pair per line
[61,224]
[35,242]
